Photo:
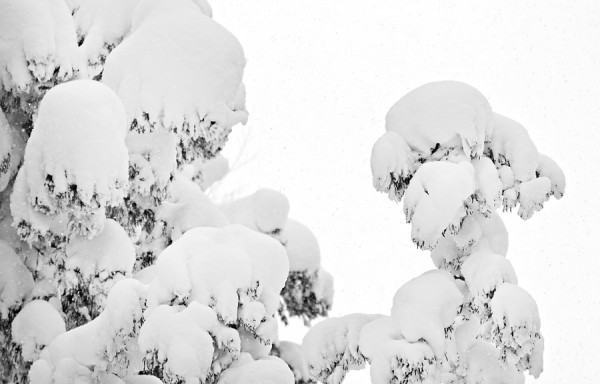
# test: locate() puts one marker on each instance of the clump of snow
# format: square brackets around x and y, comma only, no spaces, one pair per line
[484,272]
[516,328]
[291,353]
[331,347]
[489,186]
[435,201]
[308,291]
[40,52]
[180,340]
[532,196]
[110,341]
[207,172]
[33,226]
[200,65]
[152,164]
[511,145]
[188,208]
[302,247]
[477,232]
[102,25]
[92,267]
[16,282]
[110,251]
[482,361]
[494,235]
[426,306]
[269,370]
[392,165]
[76,159]
[264,211]
[548,168]
[35,326]
[449,114]
[227,268]
[392,358]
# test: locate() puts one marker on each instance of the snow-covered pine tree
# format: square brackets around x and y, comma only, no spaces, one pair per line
[453,162]
[94,172]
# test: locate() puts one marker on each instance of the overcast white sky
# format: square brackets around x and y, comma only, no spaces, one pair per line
[321,76]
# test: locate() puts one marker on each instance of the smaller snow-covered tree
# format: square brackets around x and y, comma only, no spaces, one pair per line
[453,162]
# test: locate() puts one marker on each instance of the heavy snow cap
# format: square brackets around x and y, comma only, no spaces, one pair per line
[198,90]
[76,159]
[33,51]
[446,113]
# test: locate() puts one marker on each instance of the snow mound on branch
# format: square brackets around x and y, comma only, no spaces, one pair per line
[152,164]
[483,366]
[392,165]
[189,208]
[211,266]
[489,186]
[270,370]
[291,353]
[110,251]
[548,168]
[76,159]
[207,172]
[435,201]
[182,339]
[35,326]
[425,307]
[16,282]
[494,235]
[302,247]
[331,347]
[477,233]
[102,25]
[264,211]
[40,50]
[201,66]
[516,328]
[484,272]
[392,358]
[532,196]
[446,113]
[511,145]
[109,340]
[33,226]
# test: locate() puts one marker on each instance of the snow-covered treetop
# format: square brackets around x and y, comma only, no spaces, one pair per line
[76,161]
[42,50]
[452,156]
[180,71]
[444,113]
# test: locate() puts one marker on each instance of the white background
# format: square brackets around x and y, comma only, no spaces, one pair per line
[321,76]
